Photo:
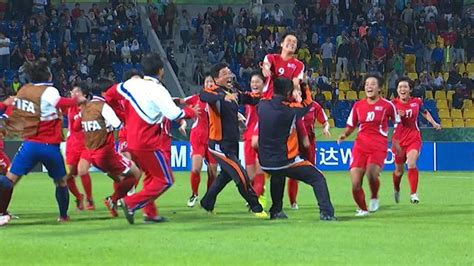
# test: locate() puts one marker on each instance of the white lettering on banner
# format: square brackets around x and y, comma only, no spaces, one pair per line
[328,157]
[178,159]
[346,155]
[390,159]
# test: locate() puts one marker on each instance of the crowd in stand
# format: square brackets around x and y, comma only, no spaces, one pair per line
[338,40]
[80,44]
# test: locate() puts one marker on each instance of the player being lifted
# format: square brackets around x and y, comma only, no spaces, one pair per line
[199,140]
[372,114]
[409,136]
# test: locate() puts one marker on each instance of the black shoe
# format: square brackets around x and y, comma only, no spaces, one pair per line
[157,219]
[129,215]
[207,209]
[280,215]
[327,218]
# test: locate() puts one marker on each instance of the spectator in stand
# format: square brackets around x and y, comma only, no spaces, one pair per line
[126,53]
[239,47]
[437,57]
[184,23]
[448,57]
[438,82]
[5,90]
[303,54]
[392,84]
[327,54]
[277,15]
[343,53]
[332,19]
[407,17]
[266,17]
[458,97]
[82,26]
[4,52]
[171,12]
[467,82]
[215,55]
[323,82]
[379,54]
[357,82]
[315,62]
[453,79]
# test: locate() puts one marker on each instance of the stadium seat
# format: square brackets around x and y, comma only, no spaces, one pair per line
[428,95]
[470,67]
[327,112]
[344,85]
[351,95]
[471,75]
[410,62]
[469,123]
[440,95]
[449,95]
[467,104]
[446,123]
[445,76]
[456,114]
[468,114]
[342,96]
[461,68]
[327,95]
[361,94]
[331,122]
[442,104]
[444,114]
[413,76]
[458,123]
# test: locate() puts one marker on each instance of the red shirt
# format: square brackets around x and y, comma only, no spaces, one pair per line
[165,138]
[200,128]
[407,130]
[251,116]
[316,112]
[450,37]
[292,68]
[75,139]
[373,123]
[379,52]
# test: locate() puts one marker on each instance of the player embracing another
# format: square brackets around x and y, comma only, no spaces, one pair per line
[77,156]
[199,140]
[37,118]
[409,136]
[372,115]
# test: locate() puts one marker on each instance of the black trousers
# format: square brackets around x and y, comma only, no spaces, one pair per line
[307,173]
[231,169]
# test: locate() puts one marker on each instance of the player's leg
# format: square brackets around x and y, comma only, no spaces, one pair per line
[375,163]
[71,184]
[309,174]
[277,191]
[155,167]
[209,200]
[293,192]
[397,174]
[5,193]
[412,157]
[195,178]
[357,172]
[231,165]
[83,172]
[211,167]
[259,184]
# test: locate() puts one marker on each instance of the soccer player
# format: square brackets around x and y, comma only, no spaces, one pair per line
[147,101]
[409,136]
[36,117]
[278,148]
[77,156]
[199,138]
[372,114]
[223,104]
[315,112]
[98,121]
[252,165]
[4,163]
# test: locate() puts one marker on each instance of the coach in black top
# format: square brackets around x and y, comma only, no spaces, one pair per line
[278,148]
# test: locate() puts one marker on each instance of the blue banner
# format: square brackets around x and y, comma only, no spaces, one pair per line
[454,156]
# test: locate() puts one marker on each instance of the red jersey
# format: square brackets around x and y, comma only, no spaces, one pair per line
[316,112]
[165,138]
[251,116]
[407,130]
[373,123]
[200,128]
[75,138]
[292,68]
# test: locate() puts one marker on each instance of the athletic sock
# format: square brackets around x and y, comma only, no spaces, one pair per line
[195,180]
[5,197]
[292,190]
[86,183]
[359,198]
[258,184]
[122,188]
[62,197]
[396,182]
[374,187]
[71,184]
[413,179]
[5,182]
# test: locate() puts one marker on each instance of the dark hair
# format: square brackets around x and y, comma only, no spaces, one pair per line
[215,69]
[151,64]
[130,73]
[38,71]
[290,33]
[410,82]
[207,74]
[84,87]
[282,86]
[257,73]
[101,85]
[375,76]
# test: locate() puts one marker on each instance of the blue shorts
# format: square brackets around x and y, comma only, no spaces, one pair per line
[31,153]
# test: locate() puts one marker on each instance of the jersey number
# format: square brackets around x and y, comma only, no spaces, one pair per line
[409,113]
[281,71]
[370,117]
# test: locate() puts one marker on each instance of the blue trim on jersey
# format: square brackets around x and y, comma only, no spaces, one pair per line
[164,167]
[122,88]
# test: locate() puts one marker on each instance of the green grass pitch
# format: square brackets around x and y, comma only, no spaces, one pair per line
[438,231]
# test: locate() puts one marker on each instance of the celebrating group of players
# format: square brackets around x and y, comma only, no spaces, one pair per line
[279,139]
